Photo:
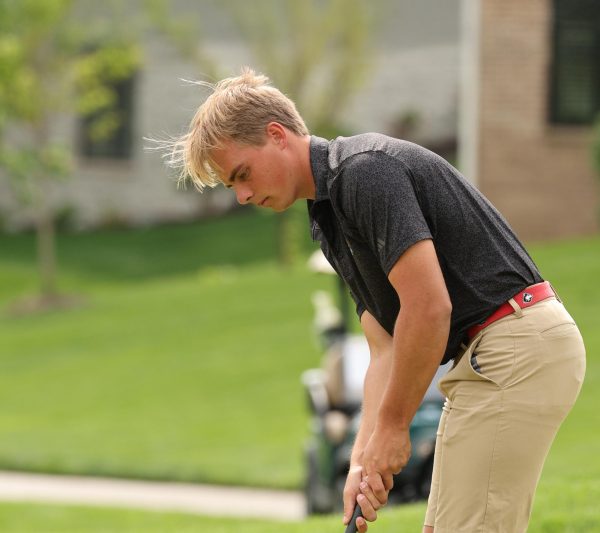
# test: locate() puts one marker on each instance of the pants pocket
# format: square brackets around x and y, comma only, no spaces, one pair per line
[494,357]
[560,330]
[460,372]
[475,364]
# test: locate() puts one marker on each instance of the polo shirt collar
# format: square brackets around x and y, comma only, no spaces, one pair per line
[319,164]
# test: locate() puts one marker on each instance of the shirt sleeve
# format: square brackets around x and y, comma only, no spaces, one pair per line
[359,306]
[377,197]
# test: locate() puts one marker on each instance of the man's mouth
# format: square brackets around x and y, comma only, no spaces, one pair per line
[262,204]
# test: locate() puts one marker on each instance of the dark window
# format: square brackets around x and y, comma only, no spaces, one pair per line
[118,144]
[575,95]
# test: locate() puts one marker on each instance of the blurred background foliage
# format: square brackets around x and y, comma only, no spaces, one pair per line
[53,63]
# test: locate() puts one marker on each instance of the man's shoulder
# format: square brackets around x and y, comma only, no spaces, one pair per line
[343,149]
[361,149]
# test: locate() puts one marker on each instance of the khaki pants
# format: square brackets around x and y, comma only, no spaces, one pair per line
[507,395]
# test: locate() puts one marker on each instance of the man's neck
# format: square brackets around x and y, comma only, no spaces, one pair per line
[307,187]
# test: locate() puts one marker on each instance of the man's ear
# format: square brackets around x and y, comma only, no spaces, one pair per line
[277,133]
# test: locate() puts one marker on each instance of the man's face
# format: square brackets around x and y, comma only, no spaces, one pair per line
[259,175]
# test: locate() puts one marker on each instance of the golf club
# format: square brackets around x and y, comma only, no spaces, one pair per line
[351,527]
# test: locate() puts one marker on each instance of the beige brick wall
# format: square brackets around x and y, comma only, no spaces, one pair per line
[538,175]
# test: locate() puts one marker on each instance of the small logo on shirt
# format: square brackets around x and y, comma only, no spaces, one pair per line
[527,297]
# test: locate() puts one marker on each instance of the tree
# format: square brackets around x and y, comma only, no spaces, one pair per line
[54,60]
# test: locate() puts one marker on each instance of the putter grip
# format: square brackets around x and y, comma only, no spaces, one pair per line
[351,528]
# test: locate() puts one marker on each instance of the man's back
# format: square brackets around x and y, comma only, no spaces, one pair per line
[387,194]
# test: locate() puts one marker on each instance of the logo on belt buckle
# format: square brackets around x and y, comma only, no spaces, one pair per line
[527,297]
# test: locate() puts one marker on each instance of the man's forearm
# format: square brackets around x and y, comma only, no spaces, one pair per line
[375,384]
[418,345]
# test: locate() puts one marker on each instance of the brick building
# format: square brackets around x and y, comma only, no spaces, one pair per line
[531,90]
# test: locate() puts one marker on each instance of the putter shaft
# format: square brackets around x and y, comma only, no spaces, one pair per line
[351,527]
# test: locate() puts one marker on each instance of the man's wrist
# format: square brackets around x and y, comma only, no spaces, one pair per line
[356,459]
[396,418]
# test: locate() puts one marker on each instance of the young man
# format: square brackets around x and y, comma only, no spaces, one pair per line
[437,274]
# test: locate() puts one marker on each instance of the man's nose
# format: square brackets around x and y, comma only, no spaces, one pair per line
[243,194]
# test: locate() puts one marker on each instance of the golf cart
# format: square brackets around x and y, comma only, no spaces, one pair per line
[334,394]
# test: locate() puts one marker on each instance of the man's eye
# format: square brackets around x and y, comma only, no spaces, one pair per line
[243,176]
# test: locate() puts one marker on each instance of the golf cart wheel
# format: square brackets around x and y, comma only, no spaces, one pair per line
[318,498]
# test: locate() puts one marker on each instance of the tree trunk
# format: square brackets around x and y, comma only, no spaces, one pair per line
[46,252]
[44,221]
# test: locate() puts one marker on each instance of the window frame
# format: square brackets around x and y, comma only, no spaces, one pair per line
[567,13]
[119,145]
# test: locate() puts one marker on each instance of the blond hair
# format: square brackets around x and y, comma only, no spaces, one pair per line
[239,109]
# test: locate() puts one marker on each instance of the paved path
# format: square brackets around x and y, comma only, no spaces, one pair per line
[153,495]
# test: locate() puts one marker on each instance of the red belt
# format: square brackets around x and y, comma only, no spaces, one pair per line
[526,298]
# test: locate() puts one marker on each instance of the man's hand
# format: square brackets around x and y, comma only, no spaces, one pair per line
[353,494]
[351,491]
[358,490]
[386,454]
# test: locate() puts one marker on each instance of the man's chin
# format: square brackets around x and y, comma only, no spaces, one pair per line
[278,206]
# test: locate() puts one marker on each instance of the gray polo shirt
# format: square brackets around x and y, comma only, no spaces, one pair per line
[376,196]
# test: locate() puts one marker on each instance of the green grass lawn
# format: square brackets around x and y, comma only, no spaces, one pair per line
[25,518]
[184,364]
[173,370]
